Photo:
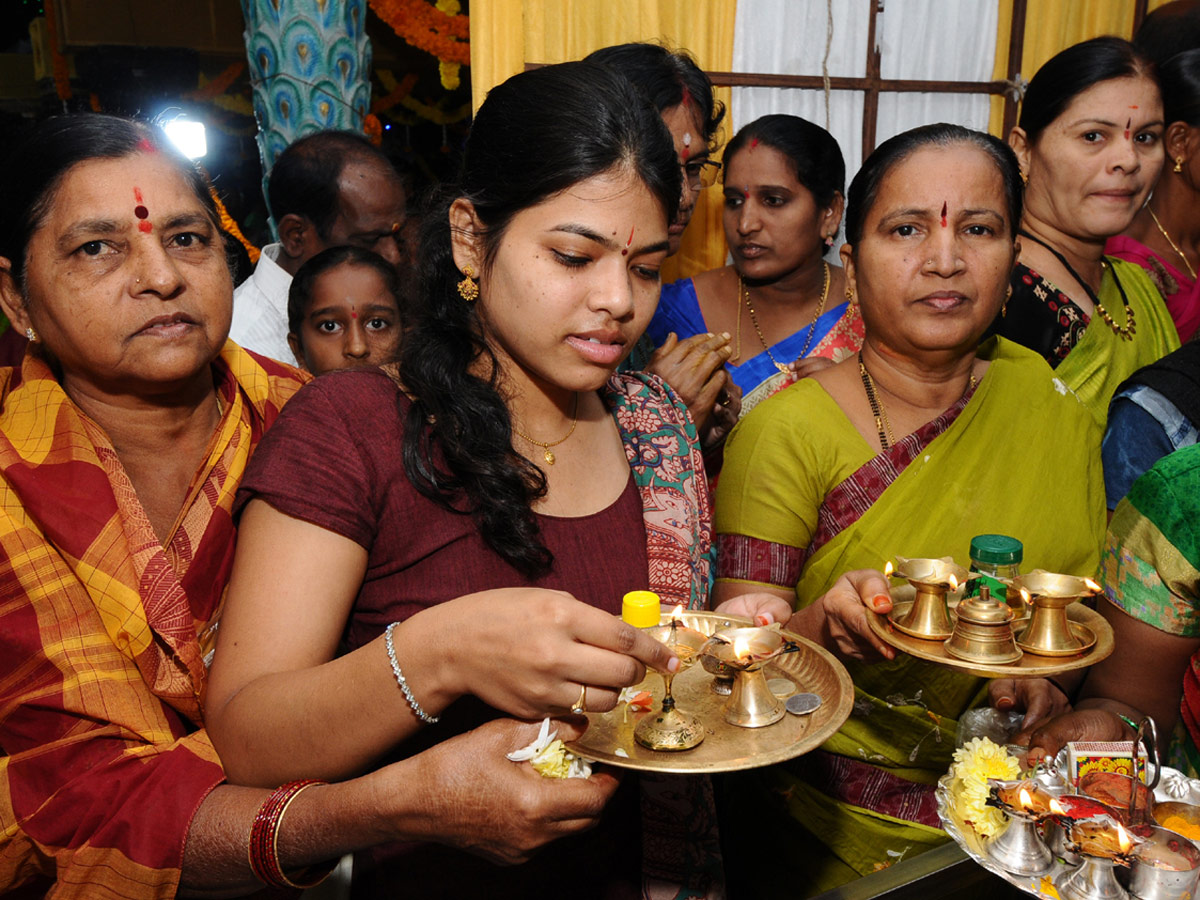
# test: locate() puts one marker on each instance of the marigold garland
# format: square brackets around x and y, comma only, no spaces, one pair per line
[427,28]
[230,225]
[373,129]
[425,111]
[448,72]
[395,94]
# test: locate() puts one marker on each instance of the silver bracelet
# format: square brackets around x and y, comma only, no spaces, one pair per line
[402,681]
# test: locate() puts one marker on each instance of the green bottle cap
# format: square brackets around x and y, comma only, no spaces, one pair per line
[996,549]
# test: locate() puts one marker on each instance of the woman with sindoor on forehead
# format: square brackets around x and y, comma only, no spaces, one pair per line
[911,447]
[782,301]
[1164,237]
[124,436]
[489,500]
[1089,141]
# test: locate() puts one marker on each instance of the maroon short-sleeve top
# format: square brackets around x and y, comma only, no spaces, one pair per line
[334,459]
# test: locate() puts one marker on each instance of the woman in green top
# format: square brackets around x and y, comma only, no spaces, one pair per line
[922,441]
[1089,142]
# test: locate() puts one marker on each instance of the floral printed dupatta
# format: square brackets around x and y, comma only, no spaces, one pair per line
[681,844]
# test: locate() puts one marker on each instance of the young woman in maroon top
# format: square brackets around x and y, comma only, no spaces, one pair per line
[496,506]
[475,505]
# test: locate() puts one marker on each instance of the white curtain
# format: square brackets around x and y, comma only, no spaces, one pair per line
[947,40]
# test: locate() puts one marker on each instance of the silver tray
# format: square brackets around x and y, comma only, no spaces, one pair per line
[1173,785]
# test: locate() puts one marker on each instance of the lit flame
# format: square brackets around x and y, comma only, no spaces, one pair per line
[888,569]
[953,582]
[1092,586]
[1026,800]
[677,614]
[741,647]
[1123,840]
[1057,808]
[1026,596]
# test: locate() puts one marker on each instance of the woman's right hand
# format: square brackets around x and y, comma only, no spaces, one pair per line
[1092,724]
[481,802]
[695,370]
[529,651]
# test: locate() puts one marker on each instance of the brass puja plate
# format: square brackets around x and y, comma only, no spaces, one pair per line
[1087,624]
[726,748]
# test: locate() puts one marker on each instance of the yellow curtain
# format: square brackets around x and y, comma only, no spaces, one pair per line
[1054,25]
[507,34]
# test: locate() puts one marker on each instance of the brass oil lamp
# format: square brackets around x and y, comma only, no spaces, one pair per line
[929,615]
[983,631]
[745,652]
[671,728]
[1049,633]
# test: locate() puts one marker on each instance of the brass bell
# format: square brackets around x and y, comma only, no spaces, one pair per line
[983,633]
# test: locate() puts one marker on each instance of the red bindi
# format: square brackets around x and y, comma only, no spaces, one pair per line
[1128,124]
[141,212]
[353,315]
[943,213]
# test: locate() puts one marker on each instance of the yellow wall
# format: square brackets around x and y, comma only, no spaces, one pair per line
[1054,25]
[506,34]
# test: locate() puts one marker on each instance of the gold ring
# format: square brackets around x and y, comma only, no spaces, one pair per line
[580,707]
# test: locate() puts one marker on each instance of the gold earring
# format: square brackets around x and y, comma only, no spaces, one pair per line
[1024,176]
[850,295]
[31,335]
[468,288]
[1178,165]
[1004,306]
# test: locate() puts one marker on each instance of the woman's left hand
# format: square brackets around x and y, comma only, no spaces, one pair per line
[1037,697]
[762,607]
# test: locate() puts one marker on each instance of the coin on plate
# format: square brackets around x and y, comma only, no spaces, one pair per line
[803,704]
[780,687]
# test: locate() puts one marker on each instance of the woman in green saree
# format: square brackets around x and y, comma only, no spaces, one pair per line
[914,446]
[1089,142]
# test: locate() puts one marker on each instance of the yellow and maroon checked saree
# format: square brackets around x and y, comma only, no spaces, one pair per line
[103,636]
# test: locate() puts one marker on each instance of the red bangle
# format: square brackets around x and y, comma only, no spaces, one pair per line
[264,835]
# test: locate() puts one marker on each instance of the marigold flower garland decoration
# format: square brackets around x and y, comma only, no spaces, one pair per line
[438,30]
[974,763]
[231,226]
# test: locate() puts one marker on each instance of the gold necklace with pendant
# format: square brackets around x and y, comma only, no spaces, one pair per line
[546,452]
[744,296]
